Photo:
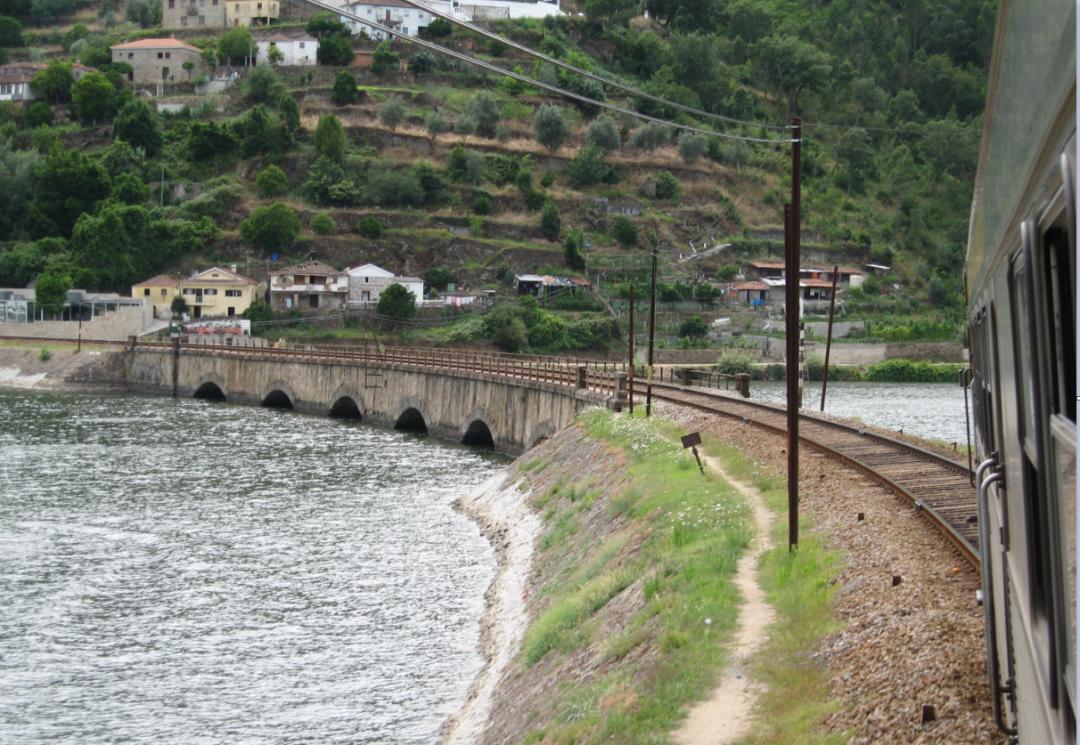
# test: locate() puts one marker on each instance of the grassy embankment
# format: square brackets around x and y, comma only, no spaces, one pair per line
[637,598]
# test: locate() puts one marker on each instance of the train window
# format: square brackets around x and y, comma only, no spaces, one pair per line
[1024,355]
[1060,311]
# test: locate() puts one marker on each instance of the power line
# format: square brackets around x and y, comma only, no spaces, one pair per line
[539,84]
[591,75]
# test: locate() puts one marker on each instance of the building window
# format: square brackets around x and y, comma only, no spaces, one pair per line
[210,291]
[301,45]
[259,6]
[131,55]
[233,293]
[202,20]
[164,292]
[146,292]
[187,291]
[183,22]
[172,4]
[160,55]
[168,55]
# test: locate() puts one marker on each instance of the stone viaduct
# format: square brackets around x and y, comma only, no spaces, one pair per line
[508,413]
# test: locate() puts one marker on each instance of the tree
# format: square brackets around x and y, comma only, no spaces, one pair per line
[693,328]
[506,329]
[790,66]
[435,124]
[649,137]
[550,221]
[371,227]
[116,244]
[137,123]
[325,24]
[120,157]
[178,306]
[396,302]
[549,127]
[46,12]
[17,170]
[236,47]
[484,110]
[385,59]
[54,82]
[272,227]
[392,112]
[271,181]
[603,133]
[330,139]
[439,28]
[274,55]
[438,278]
[667,186]
[692,145]
[322,223]
[10,32]
[207,141]
[130,189]
[572,246]
[263,85]
[39,114]
[855,157]
[949,146]
[290,112]
[422,62]
[258,312]
[335,51]
[625,232]
[344,91]
[146,13]
[51,290]
[587,167]
[67,185]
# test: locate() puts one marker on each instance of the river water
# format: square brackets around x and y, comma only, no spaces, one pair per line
[185,571]
[932,410]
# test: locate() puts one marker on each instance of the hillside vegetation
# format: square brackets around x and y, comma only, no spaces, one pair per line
[449,172]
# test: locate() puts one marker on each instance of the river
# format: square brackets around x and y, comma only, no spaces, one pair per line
[185,571]
[931,410]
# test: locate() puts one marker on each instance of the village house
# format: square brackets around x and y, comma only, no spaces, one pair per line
[772,269]
[544,285]
[158,60]
[210,293]
[217,13]
[309,285]
[368,282]
[398,15]
[295,50]
[15,79]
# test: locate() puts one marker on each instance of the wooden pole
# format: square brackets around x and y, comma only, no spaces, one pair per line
[791,294]
[828,338]
[630,354]
[652,335]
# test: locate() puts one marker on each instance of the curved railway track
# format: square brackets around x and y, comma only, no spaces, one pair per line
[935,486]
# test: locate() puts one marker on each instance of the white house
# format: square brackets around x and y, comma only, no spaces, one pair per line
[398,15]
[295,50]
[367,282]
[15,79]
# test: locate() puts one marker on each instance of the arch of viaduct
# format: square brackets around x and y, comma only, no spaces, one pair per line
[509,414]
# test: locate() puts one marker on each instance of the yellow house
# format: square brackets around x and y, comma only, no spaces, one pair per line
[213,292]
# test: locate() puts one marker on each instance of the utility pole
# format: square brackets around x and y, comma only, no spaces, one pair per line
[792,223]
[630,351]
[828,337]
[652,332]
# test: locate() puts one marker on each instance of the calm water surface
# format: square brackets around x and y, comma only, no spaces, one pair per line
[191,572]
[933,410]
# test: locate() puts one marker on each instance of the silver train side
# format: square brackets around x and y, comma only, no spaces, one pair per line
[1021,280]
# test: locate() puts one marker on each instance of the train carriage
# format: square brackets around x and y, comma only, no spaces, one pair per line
[1021,280]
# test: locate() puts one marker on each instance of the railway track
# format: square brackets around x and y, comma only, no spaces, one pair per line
[937,487]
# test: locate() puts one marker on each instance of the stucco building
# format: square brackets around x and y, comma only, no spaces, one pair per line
[158,60]
[211,293]
[217,13]
[368,282]
[309,285]
[295,50]
[398,15]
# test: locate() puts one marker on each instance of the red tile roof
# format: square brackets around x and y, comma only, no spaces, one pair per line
[750,285]
[158,281]
[169,43]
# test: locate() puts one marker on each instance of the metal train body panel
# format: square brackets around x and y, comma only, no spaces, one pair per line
[1021,279]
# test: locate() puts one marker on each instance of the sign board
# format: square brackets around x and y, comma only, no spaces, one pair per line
[691,440]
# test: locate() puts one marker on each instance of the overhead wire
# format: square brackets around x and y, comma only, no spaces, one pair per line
[589,74]
[540,84]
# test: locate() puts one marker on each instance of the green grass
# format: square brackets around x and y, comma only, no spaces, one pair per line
[670,537]
[797,585]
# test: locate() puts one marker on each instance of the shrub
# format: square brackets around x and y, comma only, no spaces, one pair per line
[587,167]
[692,145]
[344,91]
[39,114]
[572,245]
[732,363]
[44,355]
[625,232]
[385,59]
[396,302]
[371,227]
[330,139]
[693,328]
[392,112]
[481,203]
[438,277]
[549,127]
[667,186]
[322,223]
[263,85]
[271,228]
[506,329]
[551,221]
[484,111]
[603,133]
[649,137]
[271,181]
[335,51]
[137,124]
